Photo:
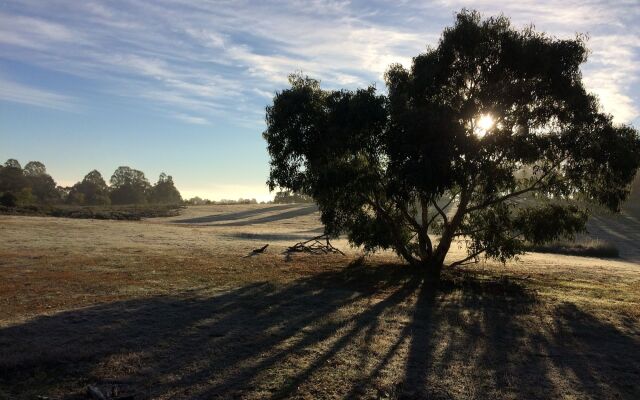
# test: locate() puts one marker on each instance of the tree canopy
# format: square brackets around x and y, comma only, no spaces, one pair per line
[164,191]
[32,185]
[129,186]
[34,168]
[28,185]
[489,137]
[92,190]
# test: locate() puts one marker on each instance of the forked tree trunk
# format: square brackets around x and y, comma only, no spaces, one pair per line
[432,260]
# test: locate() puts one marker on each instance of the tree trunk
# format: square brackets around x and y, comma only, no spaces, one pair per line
[440,253]
[432,271]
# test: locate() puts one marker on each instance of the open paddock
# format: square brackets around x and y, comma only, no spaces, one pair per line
[170,308]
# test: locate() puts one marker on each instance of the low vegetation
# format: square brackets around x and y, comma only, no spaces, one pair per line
[584,247]
[126,212]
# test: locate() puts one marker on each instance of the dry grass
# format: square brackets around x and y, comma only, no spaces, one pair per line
[159,309]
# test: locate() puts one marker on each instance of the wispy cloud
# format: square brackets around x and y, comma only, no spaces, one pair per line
[613,69]
[613,72]
[18,93]
[32,33]
[224,58]
[191,119]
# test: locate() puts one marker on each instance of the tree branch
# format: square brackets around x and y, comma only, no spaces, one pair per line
[400,247]
[516,193]
[470,232]
[440,211]
[425,245]
[477,253]
[453,197]
[425,225]
[411,220]
[464,260]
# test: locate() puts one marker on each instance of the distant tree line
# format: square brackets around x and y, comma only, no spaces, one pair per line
[198,201]
[287,197]
[283,197]
[32,185]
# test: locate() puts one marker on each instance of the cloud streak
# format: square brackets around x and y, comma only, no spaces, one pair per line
[190,119]
[220,60]
[17,93]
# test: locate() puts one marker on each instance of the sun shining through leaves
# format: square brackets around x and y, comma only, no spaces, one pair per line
[483,124]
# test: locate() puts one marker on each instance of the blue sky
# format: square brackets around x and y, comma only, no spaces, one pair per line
[180,86]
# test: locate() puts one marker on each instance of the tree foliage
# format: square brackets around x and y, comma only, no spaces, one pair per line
[33,185]
[392,171]
[42,185]
[286,197]
[29,185]
[12,178]
[35,168]
[12,163]
[164,191]
[129,186]
[92,190]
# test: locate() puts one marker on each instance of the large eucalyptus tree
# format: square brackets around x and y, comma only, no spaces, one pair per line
[489,137]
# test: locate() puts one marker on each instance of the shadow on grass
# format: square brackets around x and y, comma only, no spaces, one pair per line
[363,332]
[238,218]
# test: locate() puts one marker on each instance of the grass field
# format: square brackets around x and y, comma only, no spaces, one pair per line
[170,308]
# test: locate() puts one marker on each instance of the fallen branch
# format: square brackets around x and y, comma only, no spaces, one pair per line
[257,251]
[316,245]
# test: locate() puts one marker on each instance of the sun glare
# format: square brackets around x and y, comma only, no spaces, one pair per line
[483,124]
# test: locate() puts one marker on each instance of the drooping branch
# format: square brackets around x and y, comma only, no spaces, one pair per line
[410,219]
[401,248]
[469,233]
[474,255]
[536,186]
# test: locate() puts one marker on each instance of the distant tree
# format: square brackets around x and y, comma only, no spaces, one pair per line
[92,190]
[35,168]
[129,186]
[43,188]
[42,185]
[63,192]
[164,191]
[440,153]
[31,185]
[195,201]
[12,163]
[12,178]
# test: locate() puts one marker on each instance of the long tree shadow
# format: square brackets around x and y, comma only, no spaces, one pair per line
[363,332]
[225,217]
[294,213]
